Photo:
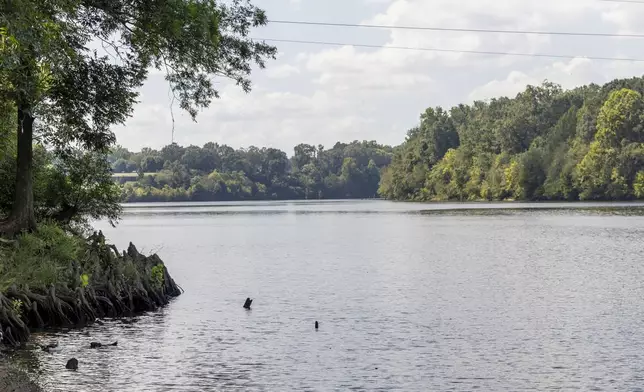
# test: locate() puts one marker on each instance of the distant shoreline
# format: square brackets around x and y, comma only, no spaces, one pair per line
[329,201]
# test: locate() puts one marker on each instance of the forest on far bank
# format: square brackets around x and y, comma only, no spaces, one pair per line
[546,143]
[219,172]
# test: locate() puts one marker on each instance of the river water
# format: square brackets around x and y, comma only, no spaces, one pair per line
[409,297]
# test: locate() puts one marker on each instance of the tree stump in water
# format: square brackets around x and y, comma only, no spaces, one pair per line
[247,303]
[99,345]
[72,364]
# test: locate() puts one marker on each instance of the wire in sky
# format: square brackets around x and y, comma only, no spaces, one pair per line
[481,52]
[569,33]
[623,1]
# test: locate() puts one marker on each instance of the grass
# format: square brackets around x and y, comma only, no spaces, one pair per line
[52,256]
[39,259]
[51,278]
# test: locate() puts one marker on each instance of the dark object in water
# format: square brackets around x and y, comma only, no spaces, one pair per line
[72,364]
[247,303]
[99,345]
[317,325]
[49,347]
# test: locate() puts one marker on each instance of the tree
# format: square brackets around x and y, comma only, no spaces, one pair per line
[620,118]
[49,74]
[638,186]
[304,154]
[80,188]
[172,152]
[438,135]
[201,159]
[120,166]
[545,143]
[119,152]
[257,173]
[152,164]
[615,157]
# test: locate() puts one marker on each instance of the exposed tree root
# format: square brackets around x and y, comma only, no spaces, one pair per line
[111,293]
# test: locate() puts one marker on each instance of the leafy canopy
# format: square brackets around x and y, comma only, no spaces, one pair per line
[50,71]
[47,63]
[543,144]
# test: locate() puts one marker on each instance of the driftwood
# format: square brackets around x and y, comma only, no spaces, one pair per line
[99,345]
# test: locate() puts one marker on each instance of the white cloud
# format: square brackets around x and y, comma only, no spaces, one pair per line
[568,74]
[346,69]
[319,94]
[282,71]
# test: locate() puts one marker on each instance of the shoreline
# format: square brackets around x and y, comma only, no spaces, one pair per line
[122,284]
[111,295]
[15,380]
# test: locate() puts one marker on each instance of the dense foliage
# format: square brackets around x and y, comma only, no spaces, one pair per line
[65,94]
[544,144]
[69,190]
[219,172]
[50,278]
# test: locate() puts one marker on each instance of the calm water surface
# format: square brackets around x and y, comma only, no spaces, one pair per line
[409,297]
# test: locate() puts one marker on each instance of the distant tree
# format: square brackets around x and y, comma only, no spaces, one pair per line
[119,166]
[545,143]
[304,154]
[152,164]
[172,152]
[604,173]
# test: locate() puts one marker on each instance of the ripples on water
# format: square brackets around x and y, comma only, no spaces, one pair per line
[407,299]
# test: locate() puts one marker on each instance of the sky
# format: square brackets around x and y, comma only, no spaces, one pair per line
[321,94]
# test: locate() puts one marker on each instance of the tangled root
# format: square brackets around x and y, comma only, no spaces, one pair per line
[114,296]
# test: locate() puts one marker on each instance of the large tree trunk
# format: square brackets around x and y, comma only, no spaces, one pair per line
[22,216]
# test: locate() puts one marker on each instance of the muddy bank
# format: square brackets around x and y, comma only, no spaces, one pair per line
[14,380]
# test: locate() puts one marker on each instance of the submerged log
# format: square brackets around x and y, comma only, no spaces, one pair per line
[99,345]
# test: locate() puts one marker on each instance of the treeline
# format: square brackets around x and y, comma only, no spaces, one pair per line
[544,144]
[221,173]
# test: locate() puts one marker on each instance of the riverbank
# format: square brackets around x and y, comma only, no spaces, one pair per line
[13,380]
[51,278]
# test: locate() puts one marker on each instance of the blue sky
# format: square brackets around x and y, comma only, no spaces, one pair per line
[323,94]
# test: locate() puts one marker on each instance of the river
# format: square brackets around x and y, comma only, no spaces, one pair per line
[409,297]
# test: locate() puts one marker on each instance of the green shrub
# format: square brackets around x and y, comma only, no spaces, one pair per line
[84,278]
[17,306]
[42,258]
[157,276]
